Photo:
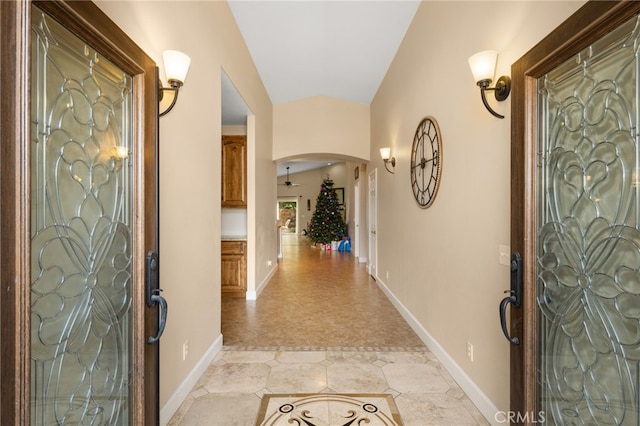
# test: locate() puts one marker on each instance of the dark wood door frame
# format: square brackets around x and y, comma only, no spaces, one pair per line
[87,21]
[14,213]
[584,27]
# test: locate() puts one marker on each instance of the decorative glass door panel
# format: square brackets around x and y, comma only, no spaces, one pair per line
[81,237]
[588,248]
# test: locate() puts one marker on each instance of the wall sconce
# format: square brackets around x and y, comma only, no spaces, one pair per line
[483,67]
[385,153]
[176,66]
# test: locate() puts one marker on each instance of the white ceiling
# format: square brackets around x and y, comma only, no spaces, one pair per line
[304,48]
[234,109]
[340,49]
[301,166]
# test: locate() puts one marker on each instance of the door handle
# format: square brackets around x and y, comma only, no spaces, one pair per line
[515,296]
[153,294]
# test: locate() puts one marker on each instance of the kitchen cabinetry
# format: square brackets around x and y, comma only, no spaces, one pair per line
[234,268]
[234,171]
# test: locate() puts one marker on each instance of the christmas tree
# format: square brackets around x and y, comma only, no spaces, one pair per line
[326,223]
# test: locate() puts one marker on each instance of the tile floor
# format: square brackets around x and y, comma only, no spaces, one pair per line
[321,325]
[372,409]
[316,299]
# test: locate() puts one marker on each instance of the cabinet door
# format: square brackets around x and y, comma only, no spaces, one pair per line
[234,171]
[233,269]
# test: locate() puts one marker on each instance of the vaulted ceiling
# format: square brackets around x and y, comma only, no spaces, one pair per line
[305,48]
[340,49]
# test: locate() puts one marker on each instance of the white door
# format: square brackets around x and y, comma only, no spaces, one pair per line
[356,220]
[373,223]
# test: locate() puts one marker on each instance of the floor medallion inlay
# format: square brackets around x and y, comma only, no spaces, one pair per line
[328,410]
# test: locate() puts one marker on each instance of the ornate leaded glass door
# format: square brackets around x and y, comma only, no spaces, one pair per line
[576,222]
[81,231]
[90,160]
[589,235]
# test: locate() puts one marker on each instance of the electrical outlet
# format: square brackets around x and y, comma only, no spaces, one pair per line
[387,275]
[470,351]
[185,349]
[269,263]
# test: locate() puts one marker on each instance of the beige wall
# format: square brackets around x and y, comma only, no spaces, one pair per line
[321,125]
[442,263]
[234,130]
[190,170]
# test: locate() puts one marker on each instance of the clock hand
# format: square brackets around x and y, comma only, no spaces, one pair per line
[422,163]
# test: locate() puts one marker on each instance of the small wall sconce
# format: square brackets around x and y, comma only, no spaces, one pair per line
[385,153]
[483,67]
[176,66]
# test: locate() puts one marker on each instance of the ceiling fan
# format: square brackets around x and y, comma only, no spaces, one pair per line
[288,182]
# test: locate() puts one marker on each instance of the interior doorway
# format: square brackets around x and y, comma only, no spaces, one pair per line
[373,223]
[356,220]
[288,214]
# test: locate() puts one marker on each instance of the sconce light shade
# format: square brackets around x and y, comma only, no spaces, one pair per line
[483,65]
[483,68]
[385,153]
[176,67]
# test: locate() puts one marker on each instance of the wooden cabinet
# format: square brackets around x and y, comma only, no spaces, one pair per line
[234,268]
[234,194]
[234,171]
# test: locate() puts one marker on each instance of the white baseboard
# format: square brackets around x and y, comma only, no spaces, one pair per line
[182,392]
[253,295]
[362,259]
[475,394]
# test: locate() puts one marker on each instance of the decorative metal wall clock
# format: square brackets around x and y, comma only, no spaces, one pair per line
[426,162]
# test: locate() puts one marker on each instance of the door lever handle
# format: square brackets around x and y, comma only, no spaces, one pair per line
[161,301]
[153,294]
[514,298]
[503,319]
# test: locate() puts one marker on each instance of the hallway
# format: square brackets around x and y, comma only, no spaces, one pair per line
[321,325]
[316,299]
